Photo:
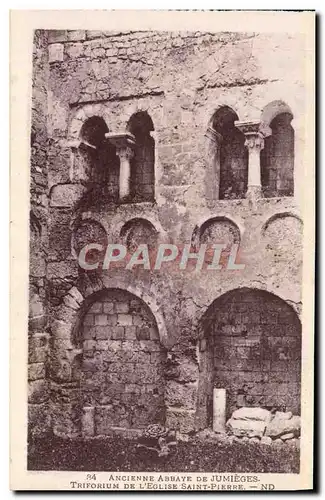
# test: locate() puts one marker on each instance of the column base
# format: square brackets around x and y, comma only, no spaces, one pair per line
[254,193]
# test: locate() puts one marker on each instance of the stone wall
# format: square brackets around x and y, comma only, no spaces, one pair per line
[256,343]
[38,337]
[123,363]
[178,81]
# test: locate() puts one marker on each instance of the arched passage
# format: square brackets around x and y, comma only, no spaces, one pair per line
[98,161]
[143,162]
[277,157]
[122,363]
[233,156]
[251,348]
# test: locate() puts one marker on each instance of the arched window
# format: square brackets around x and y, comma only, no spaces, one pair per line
[101,164]
[233,156]
[143,162]
[277,157]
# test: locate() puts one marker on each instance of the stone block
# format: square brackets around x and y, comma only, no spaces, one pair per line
[74,292]
[247,413]
[38,391]
[61,330]
[143,333]
[154,334]
[280,426]
[188,371]
[289,435]
[36,371]
[108,307]
[56,52]
[103,332]
[249,428]
[107,417]
[71,302]
[124,319]
[60,369]
[66,420]
[66,195]
[38,348]
[266,440]
[37,265]
[137,320]
[117,332]
[285,415]
[101,320]
[88,332]
[76,35]
[181,395]
[180,420]
[122,307]
[112,319]
[39,419]
[96,308]
[55,36]
[89,320]
[130,332]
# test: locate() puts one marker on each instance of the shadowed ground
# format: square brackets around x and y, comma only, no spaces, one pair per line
[118,454]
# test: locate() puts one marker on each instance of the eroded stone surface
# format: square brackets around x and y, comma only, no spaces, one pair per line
[252,346]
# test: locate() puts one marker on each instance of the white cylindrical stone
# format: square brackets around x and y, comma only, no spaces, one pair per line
[219,410]
[125,173]
[87,421]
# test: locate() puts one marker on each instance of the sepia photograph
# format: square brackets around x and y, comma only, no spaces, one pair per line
[170,196]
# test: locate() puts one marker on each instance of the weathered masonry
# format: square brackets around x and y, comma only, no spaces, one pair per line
[164,137]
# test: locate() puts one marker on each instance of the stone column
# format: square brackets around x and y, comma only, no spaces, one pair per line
[212,178]
[219,410]
[87,421]
[125,155]
[254,142]
[124,144]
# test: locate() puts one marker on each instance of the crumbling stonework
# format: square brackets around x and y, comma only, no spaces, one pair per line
[176,123]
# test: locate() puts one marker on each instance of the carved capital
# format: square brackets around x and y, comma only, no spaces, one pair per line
[255,142]
[124,143]
[255,132]
[125,153]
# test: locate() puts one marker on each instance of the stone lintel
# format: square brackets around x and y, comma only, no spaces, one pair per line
[254,128]
[121,140]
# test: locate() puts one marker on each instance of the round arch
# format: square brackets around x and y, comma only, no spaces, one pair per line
[274,108]
[251,346]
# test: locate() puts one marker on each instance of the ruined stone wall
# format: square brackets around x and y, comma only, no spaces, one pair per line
[38,337]
[256,343]
[123,363]
[179,80]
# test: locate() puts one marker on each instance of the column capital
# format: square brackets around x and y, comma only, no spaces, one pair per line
[125,153]
[124,143]
[213,135]
[254,127]
[255,132]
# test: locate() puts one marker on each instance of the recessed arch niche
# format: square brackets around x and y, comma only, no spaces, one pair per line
[143,162]
[228,156]
[251,347]
[122,379]
[277,156]
[139,231]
